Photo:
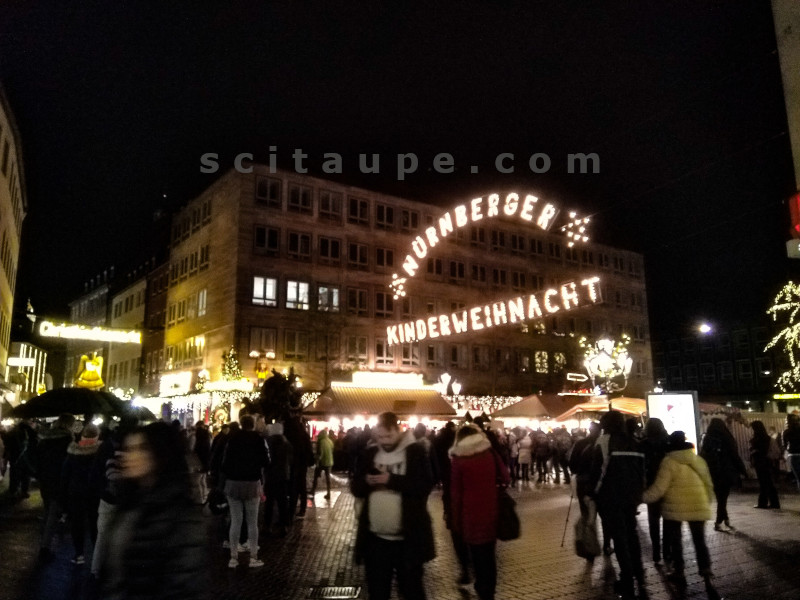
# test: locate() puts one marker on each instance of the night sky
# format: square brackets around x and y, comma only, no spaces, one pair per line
[682,101]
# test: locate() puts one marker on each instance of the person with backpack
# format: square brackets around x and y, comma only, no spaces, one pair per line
[721,454]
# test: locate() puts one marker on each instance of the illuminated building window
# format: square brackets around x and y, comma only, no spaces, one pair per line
[384,257]
[329,250]
[357,349]
[518,243]
[410,355]
[328,298]
[518,280]
[384,353]
[268,191]
[559,362]
[384,216]
[265,291]
[358,211]
[409,220]
[262,339]
[191,307]
[266,240]
[193,263]
[498,240]
[299,199]
[181,311]
[458,271]
[299,246]
[296,345]
[536,246]
[479,273]
[202,302]
[384,305]
[330,205]
[357,256]
[540,361]
[357,302]
[434,266]
[172,313]
[183,272]
[477,236]
[297,295]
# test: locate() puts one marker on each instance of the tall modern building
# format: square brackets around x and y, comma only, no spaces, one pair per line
[300,268]
[13,205]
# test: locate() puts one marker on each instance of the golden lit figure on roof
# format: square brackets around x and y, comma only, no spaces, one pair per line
[89,373]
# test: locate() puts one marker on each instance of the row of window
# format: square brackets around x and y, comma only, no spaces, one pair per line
[5,329]
[709,373]
[7,261]
[6,164]
[191,222]
[190,265]
[119,373]
[131,301]
[330,250]
[193,306]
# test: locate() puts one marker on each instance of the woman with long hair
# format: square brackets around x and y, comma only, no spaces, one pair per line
[759,458]
[725,465]
[654,445]
[156,545]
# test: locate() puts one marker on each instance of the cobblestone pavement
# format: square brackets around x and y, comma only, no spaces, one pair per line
[760,559]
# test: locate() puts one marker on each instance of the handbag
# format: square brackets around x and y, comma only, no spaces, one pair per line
[587,544]
[508,526]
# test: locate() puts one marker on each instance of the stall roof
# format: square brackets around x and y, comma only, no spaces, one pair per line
[538,407]
[356,400]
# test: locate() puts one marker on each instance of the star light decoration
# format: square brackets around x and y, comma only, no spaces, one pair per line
[787,305]
[575,230]
[607,363]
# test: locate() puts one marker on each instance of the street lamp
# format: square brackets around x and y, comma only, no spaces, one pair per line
[704,328]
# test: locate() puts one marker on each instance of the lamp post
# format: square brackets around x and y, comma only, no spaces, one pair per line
[608,364]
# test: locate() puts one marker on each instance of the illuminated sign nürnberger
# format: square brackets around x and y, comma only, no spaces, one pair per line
[516,310]
[69,331]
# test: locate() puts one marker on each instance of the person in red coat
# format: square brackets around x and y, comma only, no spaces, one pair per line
[476,470]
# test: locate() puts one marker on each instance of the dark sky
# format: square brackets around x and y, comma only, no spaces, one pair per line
[682,101]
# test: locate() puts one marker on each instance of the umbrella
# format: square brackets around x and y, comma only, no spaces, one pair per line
[142,413]
[74,401]
[628,406]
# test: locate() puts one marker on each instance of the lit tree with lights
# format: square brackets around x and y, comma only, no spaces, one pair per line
[231,369]
[785,308]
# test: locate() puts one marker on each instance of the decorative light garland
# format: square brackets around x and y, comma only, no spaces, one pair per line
[787,303]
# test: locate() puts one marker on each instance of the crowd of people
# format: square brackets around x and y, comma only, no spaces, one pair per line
[132,496]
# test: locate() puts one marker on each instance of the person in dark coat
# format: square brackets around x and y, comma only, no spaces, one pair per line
[156,544]
[759,458]
[21,453]
[618,476]
[721,454]
[655,445]
[50,455]
[476,471]
[246,457]
[394,533]
[302,458]
[276,487]
[78,495]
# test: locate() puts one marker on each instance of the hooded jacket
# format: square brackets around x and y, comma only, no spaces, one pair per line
[475,472]
[685,484]
[75,474]
[324,450]
[414,486]
[50,455]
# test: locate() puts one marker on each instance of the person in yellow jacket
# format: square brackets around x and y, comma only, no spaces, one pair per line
[684,482]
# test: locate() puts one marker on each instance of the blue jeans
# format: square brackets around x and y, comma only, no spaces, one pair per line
[247,510]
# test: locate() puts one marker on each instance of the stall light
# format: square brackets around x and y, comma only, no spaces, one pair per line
[98,421]
[373,421]
[333,423]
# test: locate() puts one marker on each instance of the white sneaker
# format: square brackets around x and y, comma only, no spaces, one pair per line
[233,563]
[254,562]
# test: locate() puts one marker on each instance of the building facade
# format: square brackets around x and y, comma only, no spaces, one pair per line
[13,205]
[123,366]
[300,268]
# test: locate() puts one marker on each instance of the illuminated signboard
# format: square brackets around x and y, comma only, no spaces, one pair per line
[513,205]
[18,361]
[678,411]
[516,310]
[69,331]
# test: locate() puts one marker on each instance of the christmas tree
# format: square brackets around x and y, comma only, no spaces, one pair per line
[231,370]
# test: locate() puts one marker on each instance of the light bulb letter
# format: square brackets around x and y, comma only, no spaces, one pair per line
[493,202]
[476,209]
[419,247]
[422,330]
[527,207]
[433,239]
[569,295]
[592,289]
[459,321]
[512,202]
[410,266]
[516,312]
[433,323]
[445,225]
[461,215]
[499,313]
[548,305]
[546,216]
[391,335]
[534,310]
[475,318]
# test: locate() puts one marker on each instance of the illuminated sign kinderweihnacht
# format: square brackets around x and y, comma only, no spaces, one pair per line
[524,208]
[69,331]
